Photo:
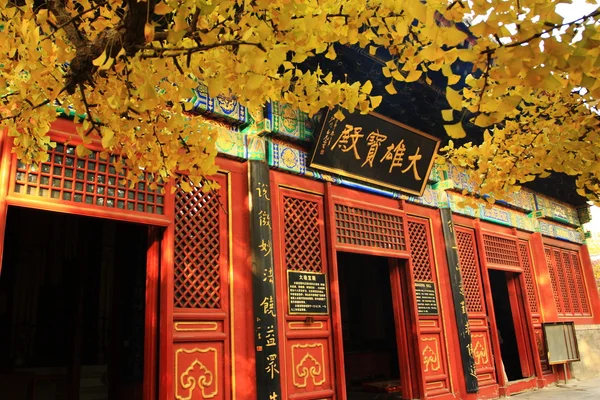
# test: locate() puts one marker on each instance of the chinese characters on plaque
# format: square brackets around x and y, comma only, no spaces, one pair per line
[376,150]
[307,293]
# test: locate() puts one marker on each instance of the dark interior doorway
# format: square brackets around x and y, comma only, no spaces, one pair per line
[505,324]
[72,307]
[368,327]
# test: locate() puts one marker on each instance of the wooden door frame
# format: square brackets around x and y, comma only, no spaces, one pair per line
[155,261]
[510,234]
[415,384]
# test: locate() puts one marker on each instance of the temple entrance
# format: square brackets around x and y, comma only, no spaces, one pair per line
[511,333]
[369,327]
[72,307]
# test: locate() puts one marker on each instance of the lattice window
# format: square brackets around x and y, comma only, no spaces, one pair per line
[197,249]
[529,282]
[419,251]
[302,235]
[562,282]
[552,272]
[468,270]
[501,251]
[356,226]
[585,309]
[87,180]
[569,275]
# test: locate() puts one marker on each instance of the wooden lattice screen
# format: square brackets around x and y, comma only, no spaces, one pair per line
[367,228]
[197,250]
[550,265]
[302,235]
[92,181]
[580,284]
[562,282]
[468,269]
[529,277]
[501,251]
[419,251]
[568,285]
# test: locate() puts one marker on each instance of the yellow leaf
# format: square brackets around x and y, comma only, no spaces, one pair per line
[148,32]
[448,115]
[390,88]
[372,50]
[162,9]
[454,98]
[455,131]
[173,37]
[454,37]
[331,54]
[107,64]
[254,81]
[100,60]
[484,120]
[376,101]
[82,151]
[107,137]
[414,75]
[339,115]
[367,87]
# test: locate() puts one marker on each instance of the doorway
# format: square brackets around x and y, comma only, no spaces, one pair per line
[510,327]
[72,307]
[370,339]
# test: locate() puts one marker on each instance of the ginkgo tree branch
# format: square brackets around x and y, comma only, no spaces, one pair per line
[162,51]
[538,35]
[67,23]
[73,19]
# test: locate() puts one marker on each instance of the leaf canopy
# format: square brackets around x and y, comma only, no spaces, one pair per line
[130,65]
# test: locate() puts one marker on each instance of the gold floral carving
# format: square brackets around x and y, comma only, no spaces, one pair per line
[431,355]
[197,376]
[308,366]
[480,350]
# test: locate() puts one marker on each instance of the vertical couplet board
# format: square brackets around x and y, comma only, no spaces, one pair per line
[432,342]
[459,300]
[266,337]
[475,306]
[201,333]
[301,253]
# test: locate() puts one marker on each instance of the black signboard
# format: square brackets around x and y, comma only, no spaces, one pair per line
[266,339]
[307,293]
[426,299]
[375,149]
[458,299]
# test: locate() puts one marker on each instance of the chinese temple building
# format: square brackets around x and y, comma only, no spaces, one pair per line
[289,282]
[332,263]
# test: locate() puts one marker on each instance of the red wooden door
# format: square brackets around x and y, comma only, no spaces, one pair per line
[201,327]
[520,322]
[533,307]
[306,342]
[476,307]
[432,337]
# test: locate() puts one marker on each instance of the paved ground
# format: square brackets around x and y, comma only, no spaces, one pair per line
[573,390]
